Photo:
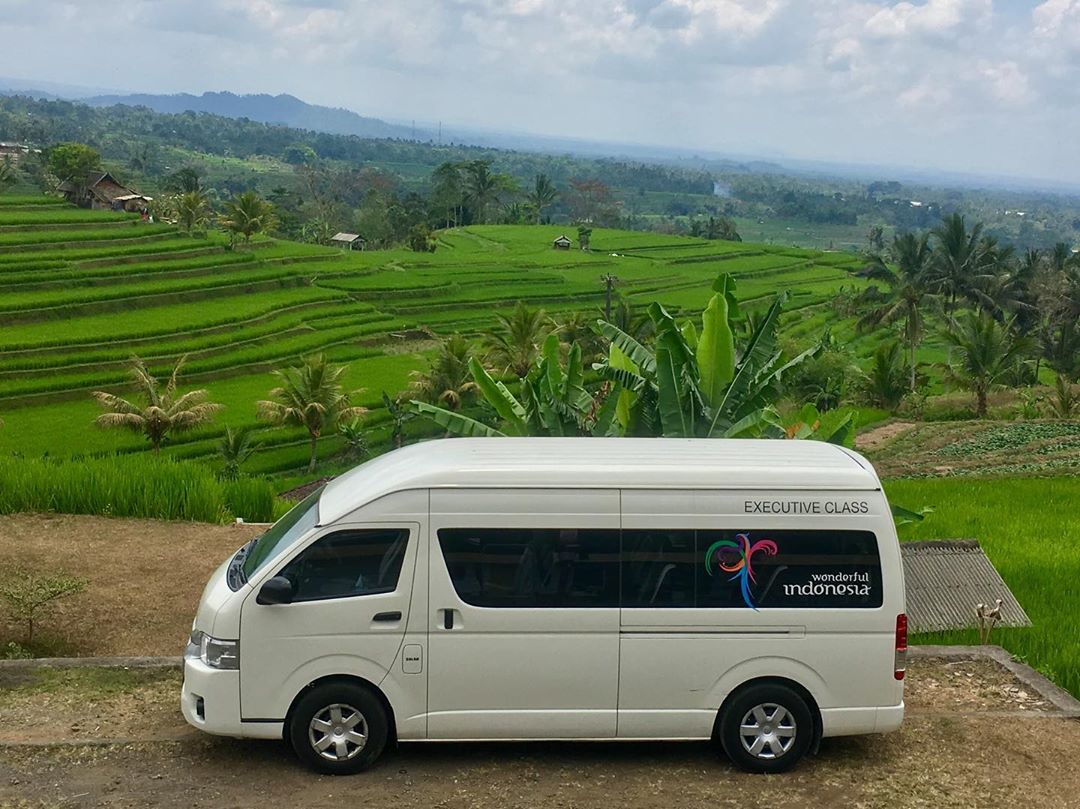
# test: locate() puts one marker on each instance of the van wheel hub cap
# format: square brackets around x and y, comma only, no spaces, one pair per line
[767,731]
[338,732]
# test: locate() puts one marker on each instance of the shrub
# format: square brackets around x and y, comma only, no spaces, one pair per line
[131,486]
[28,594]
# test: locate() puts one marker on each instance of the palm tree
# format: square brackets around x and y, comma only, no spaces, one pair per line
[448,381]
[192,211]
[886,383]
[247,214]
[987,351]
[514,343]
[543,194]
[959,258]
[163,411]
[909,291]
[234,448]
[481,187]
[579,329]
[310,396]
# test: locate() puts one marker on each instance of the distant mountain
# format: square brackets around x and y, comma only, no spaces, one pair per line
[285,110]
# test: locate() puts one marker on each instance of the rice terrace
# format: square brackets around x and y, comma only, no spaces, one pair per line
[83,293]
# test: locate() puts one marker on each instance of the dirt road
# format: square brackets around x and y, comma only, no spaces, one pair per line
[974,738]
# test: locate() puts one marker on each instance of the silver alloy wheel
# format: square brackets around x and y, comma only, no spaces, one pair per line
[767,731]
[338,732]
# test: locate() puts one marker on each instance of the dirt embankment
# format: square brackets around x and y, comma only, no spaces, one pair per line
[145,578]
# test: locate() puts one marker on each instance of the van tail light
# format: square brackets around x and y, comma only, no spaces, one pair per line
[900,658]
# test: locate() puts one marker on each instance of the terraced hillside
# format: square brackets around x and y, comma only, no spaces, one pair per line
[81,291]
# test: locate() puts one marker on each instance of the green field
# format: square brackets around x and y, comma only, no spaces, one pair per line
[81,291]
[1030,529]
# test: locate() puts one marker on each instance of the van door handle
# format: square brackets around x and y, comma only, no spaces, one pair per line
[387,616]
[448,619]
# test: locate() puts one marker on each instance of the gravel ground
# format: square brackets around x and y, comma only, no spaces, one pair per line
[974,737]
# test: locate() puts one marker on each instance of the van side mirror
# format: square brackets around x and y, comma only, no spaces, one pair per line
[278,590]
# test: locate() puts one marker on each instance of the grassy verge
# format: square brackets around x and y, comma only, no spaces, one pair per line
[1030,529]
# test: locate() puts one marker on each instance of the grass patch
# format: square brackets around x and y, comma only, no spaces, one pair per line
[1029,529]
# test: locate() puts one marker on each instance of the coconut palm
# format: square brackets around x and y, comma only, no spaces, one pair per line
[310,396]
[247,214]
[192,211]
[481,187]
[235,447]
[886,381]
[162,411]
[542,195]
[986,351]
[514,344]
[908,296]
[448,381]
[960,258]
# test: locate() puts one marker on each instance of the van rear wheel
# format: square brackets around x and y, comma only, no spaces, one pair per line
[338,728]
[766,728]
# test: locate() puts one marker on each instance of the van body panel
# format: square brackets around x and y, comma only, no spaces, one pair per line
[700,655]
[304,641]
[517,672]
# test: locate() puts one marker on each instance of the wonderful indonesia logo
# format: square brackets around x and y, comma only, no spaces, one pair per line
[737,558]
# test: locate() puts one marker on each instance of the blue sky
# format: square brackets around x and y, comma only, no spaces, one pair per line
[968,85]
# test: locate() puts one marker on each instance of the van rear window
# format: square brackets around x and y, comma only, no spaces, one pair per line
[657,568]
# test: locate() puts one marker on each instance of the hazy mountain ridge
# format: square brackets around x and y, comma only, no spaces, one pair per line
[282,109]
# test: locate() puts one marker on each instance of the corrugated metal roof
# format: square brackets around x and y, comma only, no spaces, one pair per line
[345,237]
[945,580]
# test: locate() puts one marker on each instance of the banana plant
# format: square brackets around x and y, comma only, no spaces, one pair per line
[552,401]
[700,384]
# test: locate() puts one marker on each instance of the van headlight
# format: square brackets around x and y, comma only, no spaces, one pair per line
[214,652]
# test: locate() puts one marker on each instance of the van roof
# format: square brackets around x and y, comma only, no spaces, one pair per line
[642,463]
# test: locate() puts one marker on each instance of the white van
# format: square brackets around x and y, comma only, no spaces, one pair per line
[745,591]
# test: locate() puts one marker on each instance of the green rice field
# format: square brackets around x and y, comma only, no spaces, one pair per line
[1030,529]
[81,291]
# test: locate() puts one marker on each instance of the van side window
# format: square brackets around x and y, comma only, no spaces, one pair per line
[348,563]
[658,568]
[533,567]
[785,569]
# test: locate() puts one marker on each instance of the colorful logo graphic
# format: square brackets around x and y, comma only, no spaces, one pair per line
[737,558]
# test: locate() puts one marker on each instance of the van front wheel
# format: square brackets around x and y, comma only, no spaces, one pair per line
[766,728]
[338,728]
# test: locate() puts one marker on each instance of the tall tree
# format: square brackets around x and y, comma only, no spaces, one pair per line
[247,214]
[7,173]
[71,163]
[959,258]
[986,351]
[192,211]
[162,411]
[310,396]
[543,195]
[908,294]
[514,343]
[448,192]
[481,187]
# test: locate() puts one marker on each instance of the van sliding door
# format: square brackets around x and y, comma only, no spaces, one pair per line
[523,631]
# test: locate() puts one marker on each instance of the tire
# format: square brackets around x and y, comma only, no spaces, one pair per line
[338,728]
[766,728]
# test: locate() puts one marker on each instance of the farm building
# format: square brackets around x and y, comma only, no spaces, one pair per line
[561,243]
[348,241]
[102,192]
[16,151]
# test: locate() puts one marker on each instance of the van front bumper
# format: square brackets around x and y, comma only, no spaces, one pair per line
[210,699]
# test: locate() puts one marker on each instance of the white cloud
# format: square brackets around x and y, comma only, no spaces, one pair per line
[860,79]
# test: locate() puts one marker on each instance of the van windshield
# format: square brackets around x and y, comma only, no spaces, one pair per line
[301,518]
